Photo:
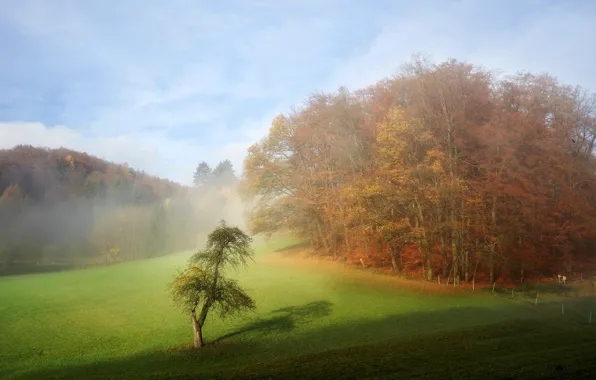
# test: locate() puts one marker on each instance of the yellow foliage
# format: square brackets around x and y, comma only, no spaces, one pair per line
[279,127]
[12,193]
[435,155]
[126,170]
[400,141]
[436,167]
[70,160]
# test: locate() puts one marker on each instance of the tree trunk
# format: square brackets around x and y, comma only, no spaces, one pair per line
[426,265]
[444,263]
[491,265]
[314,236]
[466,266]
[454,246]
[522,275]
[344,225]
[197,329]
[395,263]
[429,268]
[491,254]
[321,234]
[365,240]
[476,268]
[198,323]
[463,239]
[454,268]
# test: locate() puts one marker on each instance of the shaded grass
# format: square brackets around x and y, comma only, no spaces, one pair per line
[119,322]
[520,349]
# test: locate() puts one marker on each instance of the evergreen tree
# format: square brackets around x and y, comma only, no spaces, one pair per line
[202,174]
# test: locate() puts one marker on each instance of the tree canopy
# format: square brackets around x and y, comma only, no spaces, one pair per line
[202,173]
[221,175]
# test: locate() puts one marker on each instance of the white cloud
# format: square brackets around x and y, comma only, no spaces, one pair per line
[554,38]
[136,71]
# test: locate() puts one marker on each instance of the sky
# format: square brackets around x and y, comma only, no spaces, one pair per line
[165,84]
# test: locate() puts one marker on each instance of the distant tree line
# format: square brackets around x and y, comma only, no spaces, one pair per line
[442,170]
[63,209]
[221,175]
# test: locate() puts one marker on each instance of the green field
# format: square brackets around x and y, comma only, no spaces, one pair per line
[119,322]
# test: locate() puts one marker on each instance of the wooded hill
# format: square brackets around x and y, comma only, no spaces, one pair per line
[62,209]
[442,170]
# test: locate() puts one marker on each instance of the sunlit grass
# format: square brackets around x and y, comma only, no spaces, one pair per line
[120,320]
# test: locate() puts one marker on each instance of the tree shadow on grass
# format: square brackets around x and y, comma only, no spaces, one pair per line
[317,309]
[293,247]
[284,319]
[456,343]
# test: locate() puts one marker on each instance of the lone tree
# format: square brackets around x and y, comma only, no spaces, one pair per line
[202,286]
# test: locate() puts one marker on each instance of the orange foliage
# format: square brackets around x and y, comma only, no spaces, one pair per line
[442,170]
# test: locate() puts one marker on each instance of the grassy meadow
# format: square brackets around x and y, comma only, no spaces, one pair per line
[311,322]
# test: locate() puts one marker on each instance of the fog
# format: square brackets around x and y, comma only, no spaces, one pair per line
[50,222]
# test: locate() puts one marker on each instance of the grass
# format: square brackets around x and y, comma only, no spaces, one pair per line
[119,322]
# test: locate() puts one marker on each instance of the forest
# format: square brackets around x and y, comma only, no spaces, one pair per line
[62,209]
[442,171]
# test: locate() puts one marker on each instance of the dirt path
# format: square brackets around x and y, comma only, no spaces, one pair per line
[300,259]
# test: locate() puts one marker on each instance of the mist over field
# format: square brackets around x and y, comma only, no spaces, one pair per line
[297,189]
[62,209]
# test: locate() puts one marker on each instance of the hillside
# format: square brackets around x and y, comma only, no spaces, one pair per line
[118,322]
[61,209]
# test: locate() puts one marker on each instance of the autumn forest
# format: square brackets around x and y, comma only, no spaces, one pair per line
[443,171]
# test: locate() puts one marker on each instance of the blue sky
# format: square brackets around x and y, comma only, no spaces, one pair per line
[163,85]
